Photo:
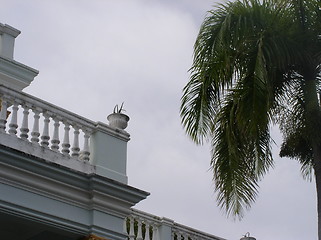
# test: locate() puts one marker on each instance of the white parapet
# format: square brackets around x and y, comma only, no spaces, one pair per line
[144,226]
[33,126]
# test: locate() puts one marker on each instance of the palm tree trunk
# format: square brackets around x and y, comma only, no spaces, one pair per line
[317,172]
[313,122]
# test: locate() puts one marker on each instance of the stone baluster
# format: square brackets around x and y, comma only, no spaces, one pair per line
[66,143]
[3,114]
[173,236]
[139,229]
[75,146]
[147,237]
[55,137]
[178,236]
[125,227]
[45,134]
[131,229]
[185,236]
[14,119]
[35,130]
[155,233]
[85,152]
[24,126]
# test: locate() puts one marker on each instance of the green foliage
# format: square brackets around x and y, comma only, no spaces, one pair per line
[256,63]
[120,109]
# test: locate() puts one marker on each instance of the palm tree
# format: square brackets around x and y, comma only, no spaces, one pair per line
[256,64]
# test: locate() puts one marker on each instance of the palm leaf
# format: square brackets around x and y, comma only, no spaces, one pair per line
[251,60]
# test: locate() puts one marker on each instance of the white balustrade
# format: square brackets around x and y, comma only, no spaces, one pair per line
[54,134]
[141,225]
[25,114]
[181,232]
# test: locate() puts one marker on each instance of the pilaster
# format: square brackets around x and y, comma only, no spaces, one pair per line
[165,229]
[109,152]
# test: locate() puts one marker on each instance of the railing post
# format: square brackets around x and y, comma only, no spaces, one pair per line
[35,130]
[66,142]
[3,114]
[85,153]
[139,229]
[131,234]
[75,146]
[185,236]
[155,232]
[55,136]
[24,126]
[109,152]
[165,229]
[45,134]
[178,235]
[147,235]
[14,119]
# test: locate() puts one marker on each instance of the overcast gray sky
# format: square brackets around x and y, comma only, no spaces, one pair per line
[94,54]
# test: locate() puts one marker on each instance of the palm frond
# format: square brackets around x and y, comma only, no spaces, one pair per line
[239,160]
[251,61]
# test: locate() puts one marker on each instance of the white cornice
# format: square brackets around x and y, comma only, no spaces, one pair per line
[15,74]
[88,191]
[5,28]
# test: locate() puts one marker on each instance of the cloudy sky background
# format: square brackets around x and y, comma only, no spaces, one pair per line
[94,54]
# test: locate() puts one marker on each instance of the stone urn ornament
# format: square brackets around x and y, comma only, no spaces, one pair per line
[118,119]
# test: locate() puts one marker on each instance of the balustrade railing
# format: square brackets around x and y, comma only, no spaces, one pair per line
[181,232]
[143,226]
[37,117]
